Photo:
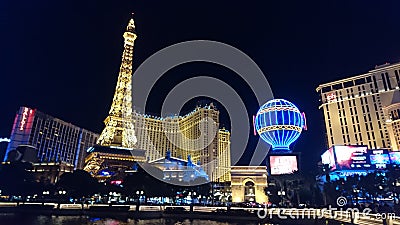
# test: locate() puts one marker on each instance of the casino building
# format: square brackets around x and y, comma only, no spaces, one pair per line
[54,139]
[363,109]
[183,136]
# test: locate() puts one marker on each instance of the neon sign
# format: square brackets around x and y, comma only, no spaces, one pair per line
[26,118]
[254,125]
[331,97]
[279,123]
[116,182]
[305,120]
[23,120]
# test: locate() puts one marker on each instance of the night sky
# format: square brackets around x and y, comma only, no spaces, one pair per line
[63,57]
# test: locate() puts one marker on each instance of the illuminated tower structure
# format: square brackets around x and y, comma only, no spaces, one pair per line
[119,130]
[131,137]
[114,153]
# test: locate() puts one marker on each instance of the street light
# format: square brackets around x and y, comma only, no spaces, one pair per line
[60,192]
[43,197]
[281,194]
[139,195]
[191,195]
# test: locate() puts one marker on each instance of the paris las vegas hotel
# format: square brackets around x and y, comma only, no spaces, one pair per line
[154,136]
[363,109]
[157,135]
[180,136]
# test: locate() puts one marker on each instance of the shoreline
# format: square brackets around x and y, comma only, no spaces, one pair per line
[111,212]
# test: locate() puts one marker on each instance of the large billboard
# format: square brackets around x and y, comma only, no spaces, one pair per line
[359,158]
[379,158]
[283,164]
[395,158]
[352,157]
[328,158]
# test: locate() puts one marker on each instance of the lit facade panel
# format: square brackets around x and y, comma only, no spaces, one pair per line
[353,108]
[224,156]
[54,139]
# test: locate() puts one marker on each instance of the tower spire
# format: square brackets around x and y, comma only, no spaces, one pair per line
[131,25]
[119,129]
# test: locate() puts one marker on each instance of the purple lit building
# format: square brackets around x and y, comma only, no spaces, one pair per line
[54,139]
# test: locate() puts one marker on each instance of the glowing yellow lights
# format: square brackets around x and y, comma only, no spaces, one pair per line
[119,130]
[181,135]
[248,183]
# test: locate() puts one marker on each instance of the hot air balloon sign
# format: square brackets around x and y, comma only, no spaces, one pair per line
[279,123]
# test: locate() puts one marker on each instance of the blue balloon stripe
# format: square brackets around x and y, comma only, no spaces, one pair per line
[279,123]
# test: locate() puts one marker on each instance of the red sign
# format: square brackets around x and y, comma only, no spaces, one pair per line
[116,182]
[24,118]
[27,116]
[331,97]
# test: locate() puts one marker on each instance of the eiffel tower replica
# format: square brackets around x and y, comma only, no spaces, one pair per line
[115,153]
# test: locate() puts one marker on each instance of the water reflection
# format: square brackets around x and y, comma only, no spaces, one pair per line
[12,219]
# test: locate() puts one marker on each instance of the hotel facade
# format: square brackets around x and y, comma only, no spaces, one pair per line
[196,134]
[363,109]
[55,140]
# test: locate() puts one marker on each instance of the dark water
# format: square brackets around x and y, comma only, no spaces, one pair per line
[21,219]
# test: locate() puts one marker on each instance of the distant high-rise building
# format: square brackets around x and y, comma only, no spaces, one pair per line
[54,139]
[363,109]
